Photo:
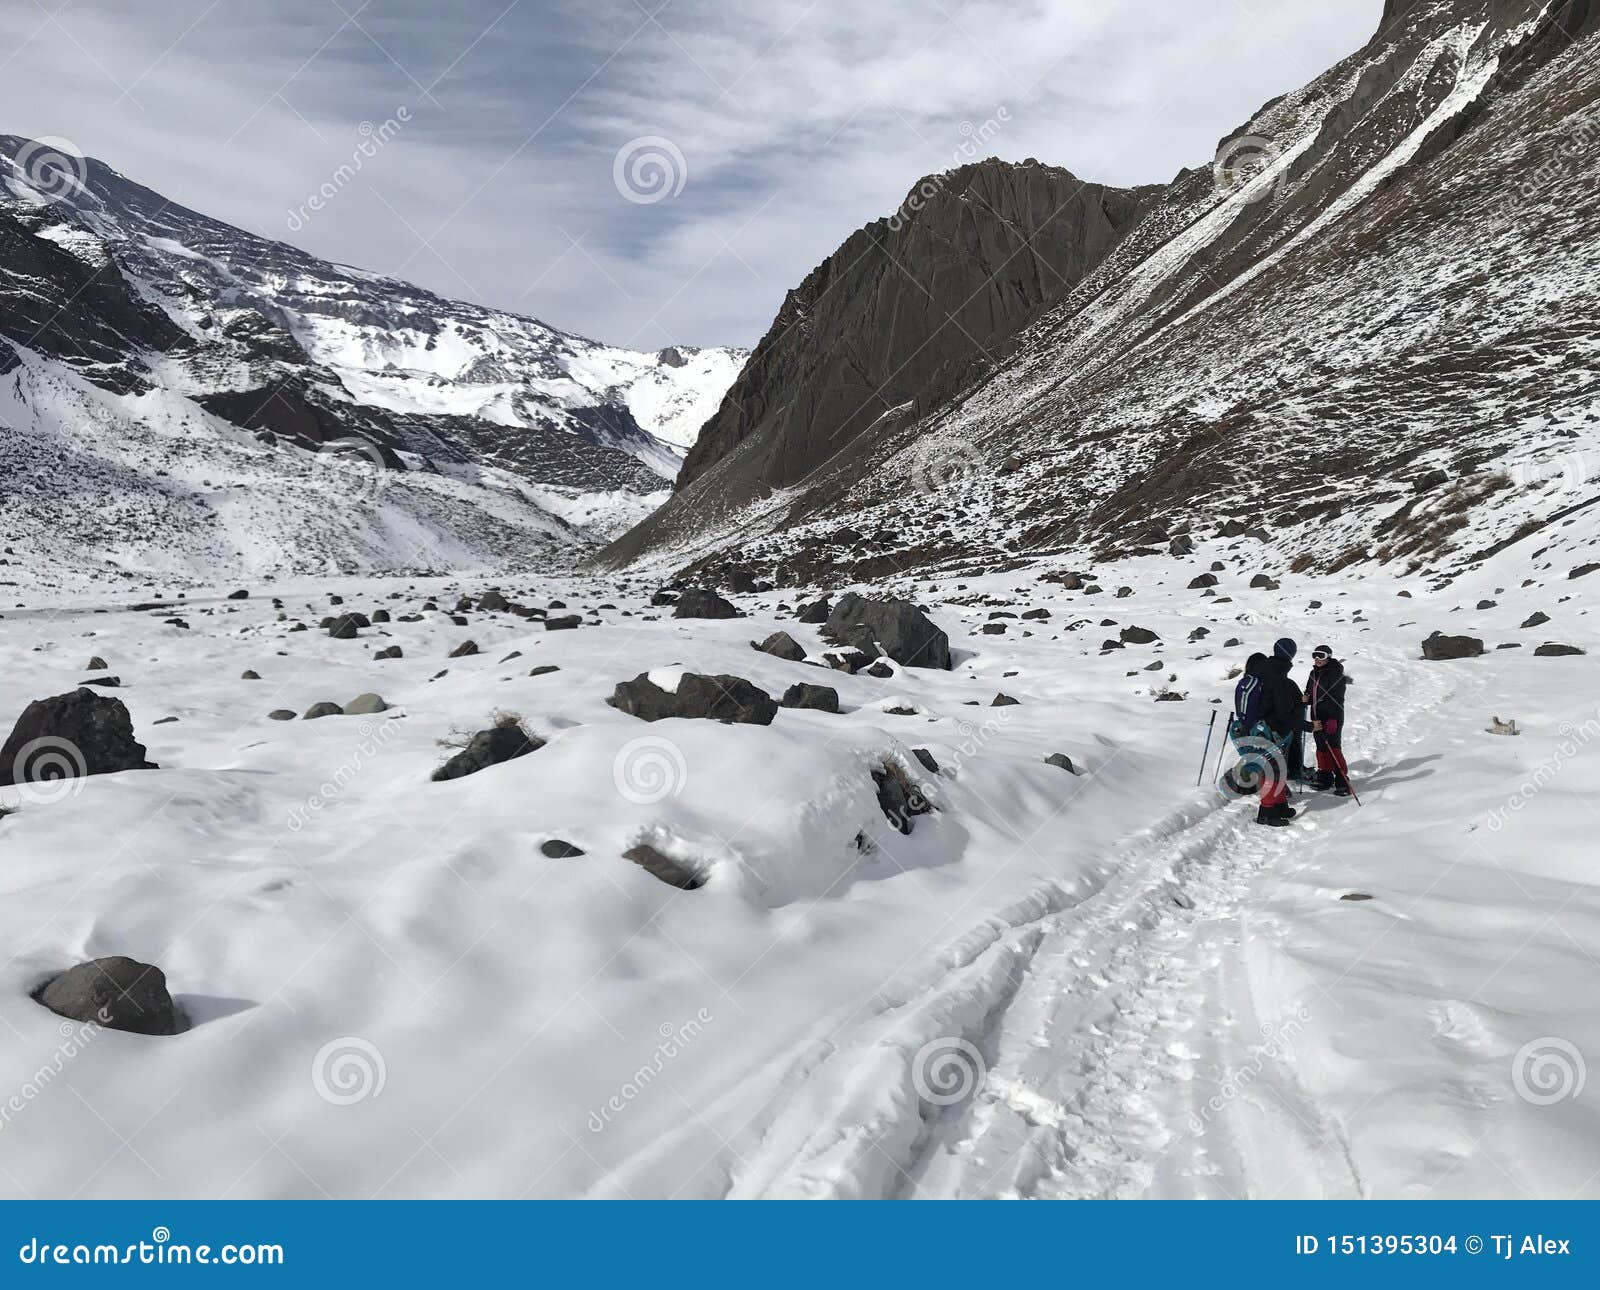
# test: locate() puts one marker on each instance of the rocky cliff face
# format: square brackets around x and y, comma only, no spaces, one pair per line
[900,318]
[1385,278]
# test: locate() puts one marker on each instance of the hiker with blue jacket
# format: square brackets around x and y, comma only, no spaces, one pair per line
[1266,716]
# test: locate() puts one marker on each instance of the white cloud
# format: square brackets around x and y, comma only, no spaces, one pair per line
[798,122]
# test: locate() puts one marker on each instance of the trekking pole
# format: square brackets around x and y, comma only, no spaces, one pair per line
[1206,755]
[1227,734]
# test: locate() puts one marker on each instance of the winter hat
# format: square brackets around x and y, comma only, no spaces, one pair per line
[1284,648]
[1325,650]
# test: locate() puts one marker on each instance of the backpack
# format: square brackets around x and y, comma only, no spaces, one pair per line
[1249,700]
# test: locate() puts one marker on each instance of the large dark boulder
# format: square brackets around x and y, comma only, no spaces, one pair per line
[817,698]
[673,872]
[118,993]
[713,698]
[1439,646]
[1554,649]
[697,602]
[893,627]
[489,748]
[81,733]
[781,645]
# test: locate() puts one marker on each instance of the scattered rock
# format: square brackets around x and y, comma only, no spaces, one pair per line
[898,797]
[782,645]
[1138,636]
[815,611]
[815,698]
[929,762]
[544,669]
[1202,580]
[675,873]
[249,674]
[116,992]
[238,595]
[1582,570]
[68,736]
[364,705]
[344,627]
[1551,649]
[698,602]
[1536,619]
[723,698]
[493,602]
[280,714]
[464,650]
[98,664]
[1061,760]
[487,748]
[1262,581]
[1440,646]
[893,627]
[557,849]
[1003,701]
[1355,895]
[563,622]
[392,651]
[323,709]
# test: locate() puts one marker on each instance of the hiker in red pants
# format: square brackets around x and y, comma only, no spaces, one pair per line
[1325,689]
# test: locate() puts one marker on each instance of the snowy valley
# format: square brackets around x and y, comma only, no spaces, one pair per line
[486,809]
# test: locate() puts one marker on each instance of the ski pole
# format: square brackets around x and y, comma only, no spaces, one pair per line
[1206,755]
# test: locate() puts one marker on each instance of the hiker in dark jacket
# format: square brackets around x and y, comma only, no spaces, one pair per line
[1325,690]
[1266,713]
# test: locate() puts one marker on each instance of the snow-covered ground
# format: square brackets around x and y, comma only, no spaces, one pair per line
[1101,984]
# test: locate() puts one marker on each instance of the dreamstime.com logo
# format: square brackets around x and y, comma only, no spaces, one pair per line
[75,1037]
[371,471]
[160,1250]
[374,138]
[50,168]
[649,770]
[1548,1070]
[649,169]
[1568,471]
[948,1070]
[348,1070]
[674,1039]
[975,138]
[1277,1041]
[1252,165]
[1574,738]
[49,770]
[946,466]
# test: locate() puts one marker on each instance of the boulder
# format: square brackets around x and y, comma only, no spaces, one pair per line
[464,650]
[729,699]
[698,602]
[544,669]
[96,664]
[893,627]
[558,849]
[1262,581]
[1439,646]
[1061,760]
[781,645]
[116,992]
[1582,571]
[493,602]
[1536,619]
[898,797]
[1202,580]
[1003,701]
[1550,649]
[364,705]
[487,748]
[1138,636]
[280,714]
[344,627]
[70,735]
[393,651]
[815,611]
[323,709]
[238,595]
[675,873]
[563,622]
[816,698]
[929,762]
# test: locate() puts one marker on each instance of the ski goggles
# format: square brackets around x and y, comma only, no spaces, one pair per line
[1321,655]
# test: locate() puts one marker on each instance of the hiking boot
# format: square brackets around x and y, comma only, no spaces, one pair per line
[1342,789]
[1284,811]
[1323,781]
[1265,815]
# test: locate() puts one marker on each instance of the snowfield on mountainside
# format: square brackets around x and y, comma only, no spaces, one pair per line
[1096,981]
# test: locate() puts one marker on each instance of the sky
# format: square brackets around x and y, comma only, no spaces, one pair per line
[644,172]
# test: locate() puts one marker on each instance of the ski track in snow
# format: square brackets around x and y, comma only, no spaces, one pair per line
[1087,1015]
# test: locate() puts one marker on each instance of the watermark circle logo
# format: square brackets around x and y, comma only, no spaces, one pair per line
[1568,471]
[649,770]
[348,1070]
[946,467]
[160,1235]
[1261,761]
[649,169]
[1250,164]
[371,471]
[948,1070]
[48,770]
[1548,1070]
[52,168]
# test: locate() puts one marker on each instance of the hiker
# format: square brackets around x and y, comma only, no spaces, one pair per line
[1266,708]
[1325,689]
